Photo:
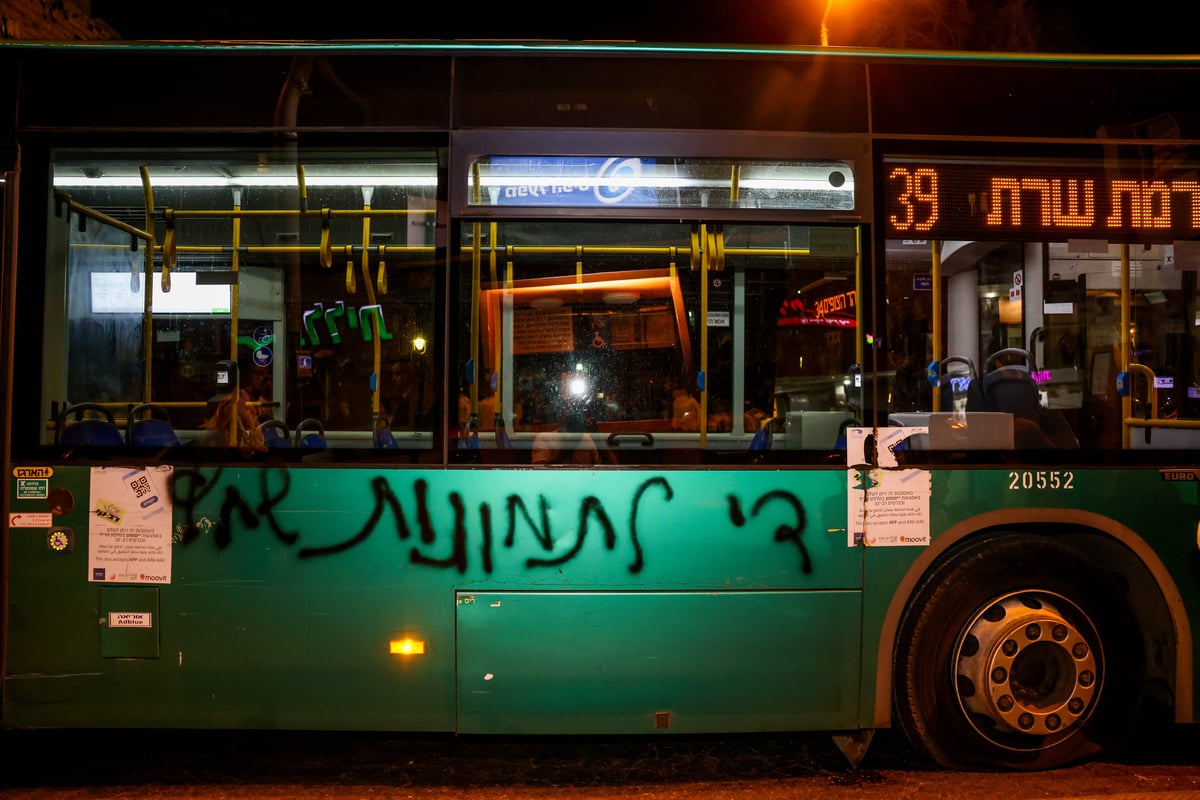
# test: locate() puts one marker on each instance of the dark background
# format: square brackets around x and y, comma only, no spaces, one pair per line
[1018,25]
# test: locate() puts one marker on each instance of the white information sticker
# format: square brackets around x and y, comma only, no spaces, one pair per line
[129,531]
[888,506]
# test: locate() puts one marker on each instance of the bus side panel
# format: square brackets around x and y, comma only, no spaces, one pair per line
[287,587]
[661,662]
[253,630]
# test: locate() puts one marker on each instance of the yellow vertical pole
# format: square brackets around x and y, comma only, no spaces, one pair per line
[234,304]
[859,354]
[498,344]
[376,320]
[935,273]
[235,265]
[148,281]
[499,398]
[704,266]
[476,267]
[476,286]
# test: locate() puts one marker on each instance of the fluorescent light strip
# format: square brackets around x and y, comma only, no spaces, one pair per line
[125,182]
[430,181]
[664,183]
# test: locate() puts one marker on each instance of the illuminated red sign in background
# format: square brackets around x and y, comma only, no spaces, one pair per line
[833,311]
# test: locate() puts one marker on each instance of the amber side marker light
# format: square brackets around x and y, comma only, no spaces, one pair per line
[406,647]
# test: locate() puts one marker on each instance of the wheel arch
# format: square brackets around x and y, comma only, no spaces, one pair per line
[1100,540]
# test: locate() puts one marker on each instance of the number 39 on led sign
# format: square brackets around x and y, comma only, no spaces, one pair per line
[964,200]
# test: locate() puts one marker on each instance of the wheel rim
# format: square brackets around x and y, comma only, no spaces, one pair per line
[1028,664]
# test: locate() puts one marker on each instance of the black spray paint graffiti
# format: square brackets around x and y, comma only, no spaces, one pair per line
[783,533]
[189,488]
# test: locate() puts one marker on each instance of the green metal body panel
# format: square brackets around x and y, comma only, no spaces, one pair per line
[287,586]
[597,601]
[649,662]
[127,622]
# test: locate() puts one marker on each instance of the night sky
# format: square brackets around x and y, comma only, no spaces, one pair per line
[1061,25]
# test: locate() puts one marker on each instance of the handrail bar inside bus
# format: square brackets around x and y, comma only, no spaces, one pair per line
[91,213]
[1151,404]
[1152,420]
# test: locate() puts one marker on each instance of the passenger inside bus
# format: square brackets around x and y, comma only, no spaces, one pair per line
[573,442]
[217,429]
[685,410]
[719,418]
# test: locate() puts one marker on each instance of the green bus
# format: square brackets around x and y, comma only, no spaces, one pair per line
[574,388]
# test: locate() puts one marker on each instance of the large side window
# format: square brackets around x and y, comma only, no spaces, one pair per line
[594,343]
[252,303]
[1033,330]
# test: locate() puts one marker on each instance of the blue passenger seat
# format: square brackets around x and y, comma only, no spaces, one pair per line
[275,433]
[1008,383]
[762,437]
[383,438]
[503,440]
[310,433]
[95,431]
[965,380]
[144,429]
[1008,386]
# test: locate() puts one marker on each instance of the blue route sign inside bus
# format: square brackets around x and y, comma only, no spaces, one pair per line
[586,181]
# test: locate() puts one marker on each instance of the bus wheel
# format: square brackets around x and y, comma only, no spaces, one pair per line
[1015,653]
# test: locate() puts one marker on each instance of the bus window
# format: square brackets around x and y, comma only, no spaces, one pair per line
[653,342]
[1067,287]
[314,277]
[1050,314]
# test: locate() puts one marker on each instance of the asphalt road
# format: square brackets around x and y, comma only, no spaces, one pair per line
[1162,764]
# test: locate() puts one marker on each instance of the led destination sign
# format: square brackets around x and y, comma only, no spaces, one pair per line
[952,200]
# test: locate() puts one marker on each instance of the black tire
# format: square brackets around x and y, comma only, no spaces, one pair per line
[1016,654]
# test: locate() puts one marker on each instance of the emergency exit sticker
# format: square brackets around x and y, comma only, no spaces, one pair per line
[32,488]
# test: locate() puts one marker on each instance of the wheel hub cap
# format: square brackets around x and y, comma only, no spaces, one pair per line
[1023,665]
